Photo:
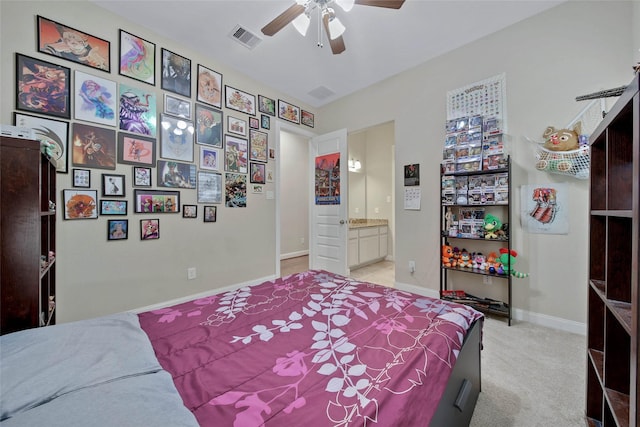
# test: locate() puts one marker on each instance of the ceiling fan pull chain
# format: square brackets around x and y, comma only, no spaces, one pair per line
[319,28]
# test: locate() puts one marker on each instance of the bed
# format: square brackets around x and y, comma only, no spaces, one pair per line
[313,349]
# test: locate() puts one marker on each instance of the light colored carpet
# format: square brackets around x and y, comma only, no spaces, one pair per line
[531,376]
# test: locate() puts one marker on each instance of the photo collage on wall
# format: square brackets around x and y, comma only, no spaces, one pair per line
[167,124]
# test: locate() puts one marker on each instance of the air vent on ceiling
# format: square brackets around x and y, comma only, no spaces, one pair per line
[245,37]
[321,92]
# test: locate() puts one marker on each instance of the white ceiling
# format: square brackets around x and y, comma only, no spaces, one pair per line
[379,42]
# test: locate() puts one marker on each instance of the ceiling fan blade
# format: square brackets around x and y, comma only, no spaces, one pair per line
[390,4]
[337,44]
[280,21]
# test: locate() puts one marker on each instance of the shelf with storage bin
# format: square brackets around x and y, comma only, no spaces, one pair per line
[613,362]
[468,232]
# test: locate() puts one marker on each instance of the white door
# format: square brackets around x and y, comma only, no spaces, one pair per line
[328,220]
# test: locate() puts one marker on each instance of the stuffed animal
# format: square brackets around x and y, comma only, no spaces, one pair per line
[447,256]
[508,259]
[562,139]
[492,263]
[479,261]
[465,259]
[491,225]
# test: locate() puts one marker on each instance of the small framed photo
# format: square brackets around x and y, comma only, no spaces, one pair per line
[136,150]
[176,73]
[209,159]
[272,153]
[209,187]
[156,201]
[265,122]
[80,204]
[269,175]
[138,110]
[177,107]
[288,112]
[258,146]
[257,189]
[235,154]
[237,126]
[95,99]
[257,173]
[113,185]
[308,119]
[208,126]
[149,229]
[82,178]
[141,176]
[57,39]
[118,229]
[176,138]
[93,146]
[238,100]
[42,87]
[176,175]
[113,207]
[266,105]
[137,58]
[254,123]
[210,213]
[189,211]
[209,86]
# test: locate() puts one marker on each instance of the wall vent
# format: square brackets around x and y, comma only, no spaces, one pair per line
[245,37]
[321,92]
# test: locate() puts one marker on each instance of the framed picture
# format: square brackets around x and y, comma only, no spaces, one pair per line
[237,126]
[209,187]
[265,121]
[42,87]
[113,185]
[149,229]
[266,105]
[156,201]
[238,100]
[118,229]
[176,73]
[176,175]
[269,175]
[210,213]
[177,107]
[137,58]
[136,150]
[176,138]
[189,211]
[141,176]
[288,111]
[254,123]
[113,207]
[272,153]
[235,154]
[258,148]
[81,178]
[59,40]
[208,126]
[257,175]
[209,87]
[137,110]
[308,119]
[235,190]
[52,131]
[95,99]
[80,204]
[93,147]
[209,158]
[257,189]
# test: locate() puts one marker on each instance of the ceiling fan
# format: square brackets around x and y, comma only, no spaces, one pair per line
[299,14]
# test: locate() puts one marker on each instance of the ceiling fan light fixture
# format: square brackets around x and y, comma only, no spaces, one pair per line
[346,5]
[336,29]
[301,23]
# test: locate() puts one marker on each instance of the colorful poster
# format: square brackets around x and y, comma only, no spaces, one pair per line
[544,208]
[327,183]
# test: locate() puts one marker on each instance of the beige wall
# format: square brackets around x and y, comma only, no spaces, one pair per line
[571,50]
[97,277]
[294,195]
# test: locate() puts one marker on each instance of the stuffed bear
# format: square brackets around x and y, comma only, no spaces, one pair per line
[562,139]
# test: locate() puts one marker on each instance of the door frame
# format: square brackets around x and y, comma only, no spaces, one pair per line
[296,130]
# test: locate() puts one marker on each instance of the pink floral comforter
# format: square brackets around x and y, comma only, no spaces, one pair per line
[310,349]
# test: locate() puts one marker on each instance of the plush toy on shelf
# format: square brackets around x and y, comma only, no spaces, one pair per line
[465,259]
[447,256]
[508,260]
[492,227]
[492,263]
[479,261]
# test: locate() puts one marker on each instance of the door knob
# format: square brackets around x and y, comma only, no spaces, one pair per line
[342,221]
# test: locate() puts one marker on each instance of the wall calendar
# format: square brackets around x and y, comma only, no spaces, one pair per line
[484,98]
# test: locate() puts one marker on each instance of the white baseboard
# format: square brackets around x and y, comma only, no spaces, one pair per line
[517,314]
[294,254]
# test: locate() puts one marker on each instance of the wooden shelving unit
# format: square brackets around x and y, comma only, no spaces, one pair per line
[28,236]
[613,368]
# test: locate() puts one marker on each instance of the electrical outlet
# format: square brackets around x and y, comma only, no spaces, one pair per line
[191,273]
[302,240]
[412,266]
[487,280]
